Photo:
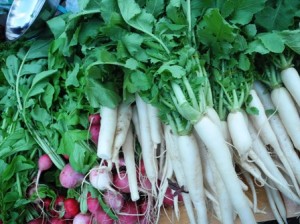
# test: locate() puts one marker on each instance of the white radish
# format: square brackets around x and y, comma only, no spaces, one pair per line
[279,129]
[279,204]
[101,178]
[172,149]
[216,145]
[213,115]
[189,154]
[123,123]
[148,149]
[225,131]
[291,80]
[288,113]
[136,123]
[239,133]
[155,124]
[107,132]
[128,152]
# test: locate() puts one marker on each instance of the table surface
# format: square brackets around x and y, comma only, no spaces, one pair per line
[293,210]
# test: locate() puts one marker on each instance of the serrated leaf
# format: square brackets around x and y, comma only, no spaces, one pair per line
[256,46]
[72,77]
[244,63]
[272,41]
[291,39]
[175,71]
[137,81]
[155,7]
[131,64]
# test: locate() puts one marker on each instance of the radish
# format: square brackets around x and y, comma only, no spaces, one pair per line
[107,130]
[82,219]
[100,217]
[120,181]
[58,207]
[291,80]
[95,131]
[148,149]
[155,125]
[71,208]
[101,178]
[129,213]
[114,200]
[36,221]
[92,204]
[168,198]
[44,163]
[95,119]
[56,220]
[69,178]
[128,152]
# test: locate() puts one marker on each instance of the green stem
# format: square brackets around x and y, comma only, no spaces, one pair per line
[19,184]
[191,93]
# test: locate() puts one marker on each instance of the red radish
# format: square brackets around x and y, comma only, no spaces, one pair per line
[144,182]
[120,181]
[58,207]
[46,203]
[168,198]
[35,221]
[71,208]
[66,156]
[101,178]
[94,119]
[95,130]
[141,169]
[129,213]
[93,204]
[82,219]
[56,220]
[69,178]
[114,200]
[100,217]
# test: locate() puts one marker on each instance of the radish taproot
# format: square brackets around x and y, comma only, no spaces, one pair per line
[69,178]
[101,178]
[71,208]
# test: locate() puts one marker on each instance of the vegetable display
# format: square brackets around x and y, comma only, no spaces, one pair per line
[122,107]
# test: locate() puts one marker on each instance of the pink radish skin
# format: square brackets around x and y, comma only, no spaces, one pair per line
[93,204]
[69,178]
[121,182]
[144,183]
[94,130]
[58,207]
[94,119]
[82,219]
[71,208]
[114,200]
[44,163]
[168,198]
[100,217]
[57,221]
[101,178]
[129,213]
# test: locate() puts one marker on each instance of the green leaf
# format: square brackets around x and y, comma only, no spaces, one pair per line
[107,209]
[41,115]
[291,39]
[68,140]
[252,110]
[243,10]
[39,49]
[256,46]
[136,81]
[250,30]
[272,41]
[155,7]
[133,42]
[47,96]
[72,77]
[101,94]
[278,15]
[175,71]
[244,63]
[57,26]
[131,63]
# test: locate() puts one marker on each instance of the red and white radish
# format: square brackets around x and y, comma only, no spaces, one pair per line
[82,219]
[100,217]
[129,213]
[114,200]
[101,178]
[95,131]
[120,181]
[69,178]
[95,119]
[56,220]
[93,204]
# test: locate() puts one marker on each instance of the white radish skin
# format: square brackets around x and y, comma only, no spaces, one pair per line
[123,123]
[216,145]
[101,178]
[261,123]
[155,124]
[290,78]
[148,150]
[213,115]
[107,133]
[189,154]
[262,153]
[279,204]
[288,113]
[136,123]
[273,205]
[172,149]
[239,133]
[225,131]
[251,185]
[128,152]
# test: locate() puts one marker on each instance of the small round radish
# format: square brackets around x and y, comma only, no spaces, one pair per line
[120,181]
[58,207]
[95,130]
[100,217]
[56,220]
[145,183]
[36,221]
[101,178]
[94,119]
[82,219]
[92,204]
[66,156]
[129,213]
[44,163]
[114,200]
[46,202]
[71,208]
[69,178]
